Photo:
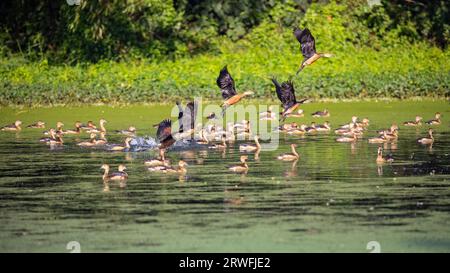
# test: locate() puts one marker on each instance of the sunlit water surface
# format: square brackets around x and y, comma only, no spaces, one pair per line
[336,198]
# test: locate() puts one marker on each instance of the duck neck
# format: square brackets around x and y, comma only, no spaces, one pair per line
[294,152]
[105,174]
[102,127]
[257,143]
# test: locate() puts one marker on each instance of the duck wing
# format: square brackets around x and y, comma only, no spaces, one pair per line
[285,93]
[307,41]
[226,84]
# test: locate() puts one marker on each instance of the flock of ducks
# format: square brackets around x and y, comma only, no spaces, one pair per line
[218,138]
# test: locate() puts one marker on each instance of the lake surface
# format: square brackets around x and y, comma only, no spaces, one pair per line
[336,199]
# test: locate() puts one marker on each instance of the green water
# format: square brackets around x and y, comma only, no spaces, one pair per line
[335,199]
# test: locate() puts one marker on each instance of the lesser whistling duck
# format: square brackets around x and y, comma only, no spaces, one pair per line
[312,128]
[120,175]
[347,139]
[427,140]
[289,156]
[392,135]
[325,127]
[297,131]
[319,114]
[380,159]
[102,139]
[169,169]
[37,124]
[267,115]
[52,134]
[436,120]
[222,145]
[131,131]
[364,123]
[125,146]
[390,130]
[57,140]
[296,114]
[96,130]
[241,168]
[92,141]
[160,161]
[286,94]
[250,147]
[77,129]
[379,139]
[226,84]
[308,48]
[59,126]
[89,126]
[349,125]
[12,127]
[164,135]
[417,122]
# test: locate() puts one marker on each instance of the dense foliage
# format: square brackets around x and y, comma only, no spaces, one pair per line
[151,50]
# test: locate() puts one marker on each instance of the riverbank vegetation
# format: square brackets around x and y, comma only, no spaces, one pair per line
[152,51]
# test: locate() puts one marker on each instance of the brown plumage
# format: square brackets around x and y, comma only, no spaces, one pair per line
[226,84]
[164,134]
[286,94]
[308,47]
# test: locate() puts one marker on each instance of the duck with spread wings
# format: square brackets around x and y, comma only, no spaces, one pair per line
[286,94]
[308,47]
[226,84]
[164,136]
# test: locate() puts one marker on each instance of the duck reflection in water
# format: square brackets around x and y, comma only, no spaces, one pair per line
[293,172]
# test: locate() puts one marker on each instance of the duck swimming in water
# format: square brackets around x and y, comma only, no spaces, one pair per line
[220,146]
[37,125]
[169,169]
[380,159]
[57,140]
[296,114]
[241,168]
[325,127]
[250,147]
[102,140]
[96,130]
[75,131]
[436,120]
[379,139]
[289,156]
[120,175]
[347,139]
[268,115]
[118,147]
[417,122]
[390,130]
[92,141]
[286,94]
[320,114]
[89,126]
[308,48]
[427,140]
[297,131]
[12,127]
[131,131]
[227,87]
[312,128]
[160,161]
[52,134]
